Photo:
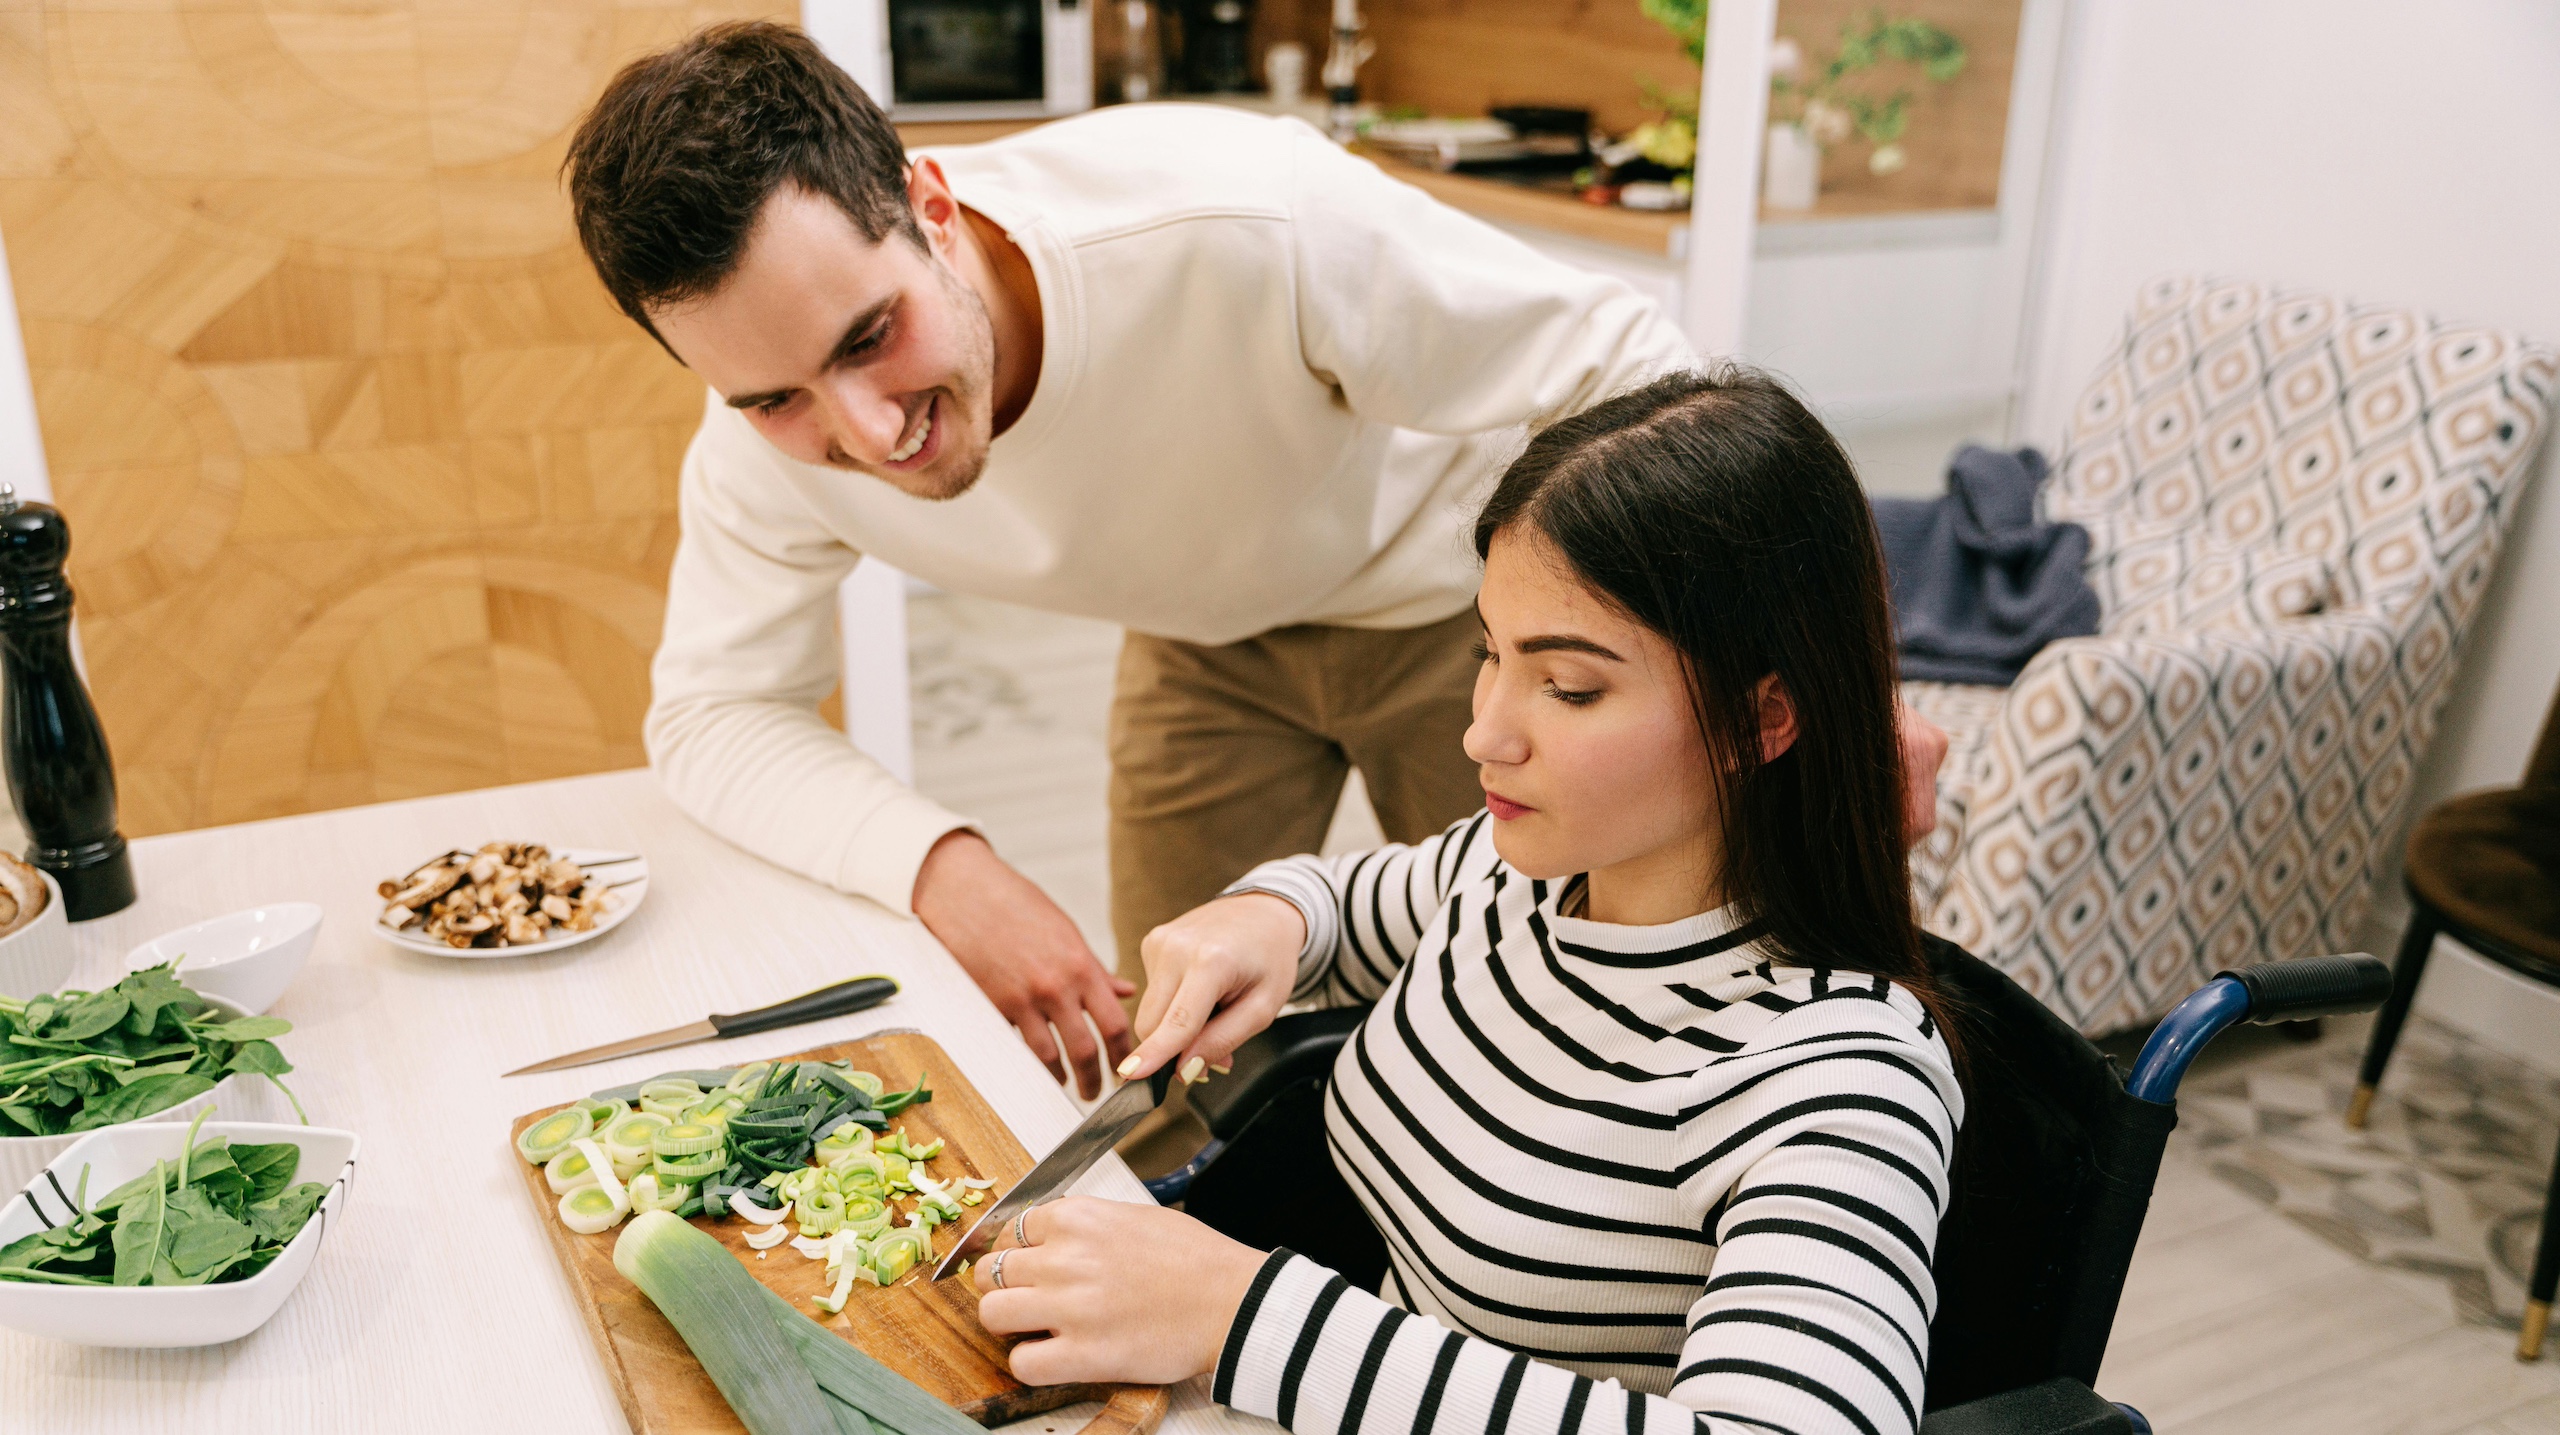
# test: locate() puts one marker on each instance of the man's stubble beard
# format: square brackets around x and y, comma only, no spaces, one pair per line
[977,372]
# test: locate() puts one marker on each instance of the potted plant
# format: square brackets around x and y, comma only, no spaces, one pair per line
[1813,114]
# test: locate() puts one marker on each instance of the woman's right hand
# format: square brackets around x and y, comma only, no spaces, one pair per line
[1215,975]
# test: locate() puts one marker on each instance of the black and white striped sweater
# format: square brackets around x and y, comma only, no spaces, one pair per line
[1632,1179]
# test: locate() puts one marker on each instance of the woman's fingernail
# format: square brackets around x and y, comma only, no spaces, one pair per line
[1192,1069]
[1128,1066]
[1224,1068]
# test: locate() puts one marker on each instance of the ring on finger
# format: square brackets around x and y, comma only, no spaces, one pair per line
[1019,1238]
[995,1269]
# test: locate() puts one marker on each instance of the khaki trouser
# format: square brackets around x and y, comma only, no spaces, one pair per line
[1225,757]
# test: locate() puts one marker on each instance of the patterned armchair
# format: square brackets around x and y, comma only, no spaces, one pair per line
[2294,503]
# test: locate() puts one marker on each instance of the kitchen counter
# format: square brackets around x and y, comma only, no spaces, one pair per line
[436,1303]
[1838,220]
[1655,234]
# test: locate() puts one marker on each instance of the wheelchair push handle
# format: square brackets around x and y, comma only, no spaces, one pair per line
[2311,987]
[2295,990]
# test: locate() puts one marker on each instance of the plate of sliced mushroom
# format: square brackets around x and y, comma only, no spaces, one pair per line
[511,898]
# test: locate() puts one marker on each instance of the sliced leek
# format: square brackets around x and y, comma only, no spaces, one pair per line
[897,1252]
[871,1085]
[604,1172]
[552,1134]
[701,1166]
[685,1138]
[648,1193]
[820,1212]
[568,1171]
[769,1237]
[628,1139]
[590,1210]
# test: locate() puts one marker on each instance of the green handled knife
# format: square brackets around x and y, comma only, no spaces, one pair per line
[847,996]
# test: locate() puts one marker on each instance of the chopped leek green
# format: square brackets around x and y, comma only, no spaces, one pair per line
[552,1134]
[871,1085]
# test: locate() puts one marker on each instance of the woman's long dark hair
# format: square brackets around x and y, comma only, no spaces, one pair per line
[1715,509]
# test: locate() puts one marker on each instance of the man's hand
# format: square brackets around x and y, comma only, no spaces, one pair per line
[1025,954]
[1924,749]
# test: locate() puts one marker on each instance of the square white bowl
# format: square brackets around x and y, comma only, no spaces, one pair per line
[173,1317]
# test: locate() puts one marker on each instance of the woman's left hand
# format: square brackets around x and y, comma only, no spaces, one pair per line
[1112,1290]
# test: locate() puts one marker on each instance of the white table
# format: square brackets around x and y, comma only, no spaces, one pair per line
[436,1304]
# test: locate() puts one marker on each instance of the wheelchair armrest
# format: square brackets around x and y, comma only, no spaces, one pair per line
[2061,1406]
[1291,1050]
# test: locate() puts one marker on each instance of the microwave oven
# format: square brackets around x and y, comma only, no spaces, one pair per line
[926,60]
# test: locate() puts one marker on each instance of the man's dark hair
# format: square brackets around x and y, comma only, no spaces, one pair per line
[668,172]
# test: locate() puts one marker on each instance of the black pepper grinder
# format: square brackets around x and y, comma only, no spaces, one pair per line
[60,773]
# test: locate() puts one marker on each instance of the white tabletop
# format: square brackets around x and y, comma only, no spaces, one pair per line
[436,1304]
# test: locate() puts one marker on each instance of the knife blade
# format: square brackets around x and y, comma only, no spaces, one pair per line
[1095,1135]
[846,996]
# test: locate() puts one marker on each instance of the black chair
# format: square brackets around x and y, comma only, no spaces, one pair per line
[2052,1177]
[2484,869]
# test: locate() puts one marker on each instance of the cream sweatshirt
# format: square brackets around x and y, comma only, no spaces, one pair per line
[1274,384]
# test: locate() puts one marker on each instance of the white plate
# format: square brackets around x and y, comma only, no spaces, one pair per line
[619,904]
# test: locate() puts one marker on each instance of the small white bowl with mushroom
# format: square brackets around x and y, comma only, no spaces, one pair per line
[35,932]
[511,899]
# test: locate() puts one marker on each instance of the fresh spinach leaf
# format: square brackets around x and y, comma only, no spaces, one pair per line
[281,1219]
[259,1056]
[142,1224]
[155,1093]
[93,1015]
[269,1168]
[251,1028]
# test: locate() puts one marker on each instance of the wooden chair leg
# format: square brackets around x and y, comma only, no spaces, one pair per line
[2546,1275]
[2411,964]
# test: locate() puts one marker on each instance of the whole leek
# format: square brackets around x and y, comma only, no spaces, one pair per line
[723,1315]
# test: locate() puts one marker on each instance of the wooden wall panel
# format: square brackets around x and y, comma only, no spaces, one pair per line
[372,489]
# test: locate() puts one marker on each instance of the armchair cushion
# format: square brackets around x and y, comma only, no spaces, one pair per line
[2294,503]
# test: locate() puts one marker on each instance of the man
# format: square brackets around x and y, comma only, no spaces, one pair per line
[1248,391]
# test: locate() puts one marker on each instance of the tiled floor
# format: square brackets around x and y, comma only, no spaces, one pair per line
[2235,1319]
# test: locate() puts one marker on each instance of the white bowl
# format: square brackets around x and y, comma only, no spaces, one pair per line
[165,1318]
[37,958]
[23,1158]
[246,958]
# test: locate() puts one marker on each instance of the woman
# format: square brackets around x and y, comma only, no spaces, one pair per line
[1656,1104]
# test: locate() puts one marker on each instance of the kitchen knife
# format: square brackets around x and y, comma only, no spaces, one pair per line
[837,1000]
[1058,1170]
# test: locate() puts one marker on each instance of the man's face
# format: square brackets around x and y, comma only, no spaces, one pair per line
[874,357]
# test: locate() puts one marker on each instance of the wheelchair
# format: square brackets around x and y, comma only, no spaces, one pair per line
[2052,1176]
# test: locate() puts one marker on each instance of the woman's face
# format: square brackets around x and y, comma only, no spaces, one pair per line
[1586,742]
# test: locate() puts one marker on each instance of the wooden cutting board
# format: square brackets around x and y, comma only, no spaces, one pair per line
[926,1332]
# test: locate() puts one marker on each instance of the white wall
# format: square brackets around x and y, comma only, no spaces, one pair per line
[21,443]
[2384,150]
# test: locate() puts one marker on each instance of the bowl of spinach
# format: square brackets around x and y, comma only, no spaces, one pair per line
[147,1048]
[153,1235]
